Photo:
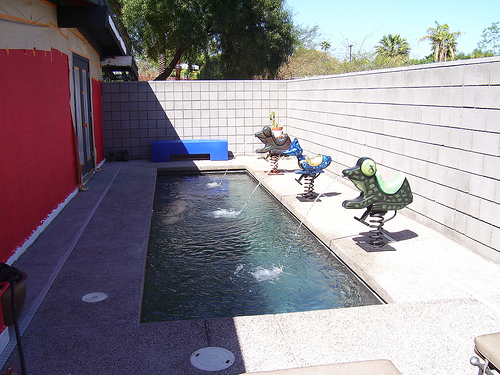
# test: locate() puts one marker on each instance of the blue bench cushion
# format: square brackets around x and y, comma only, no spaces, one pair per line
[161,150]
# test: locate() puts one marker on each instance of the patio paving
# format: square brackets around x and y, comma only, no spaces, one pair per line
[440,295]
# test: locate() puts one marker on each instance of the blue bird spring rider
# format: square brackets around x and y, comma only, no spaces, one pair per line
[310,168]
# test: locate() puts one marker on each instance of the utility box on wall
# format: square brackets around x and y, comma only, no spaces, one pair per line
[19,297]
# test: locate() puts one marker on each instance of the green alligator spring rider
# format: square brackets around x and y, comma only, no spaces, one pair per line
[377,197]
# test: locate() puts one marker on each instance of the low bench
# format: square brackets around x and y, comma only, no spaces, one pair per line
[161,150]
[488,348]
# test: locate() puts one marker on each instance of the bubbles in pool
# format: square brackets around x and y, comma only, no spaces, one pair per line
[223,212]
[258,273]
[264,274]
[239,267]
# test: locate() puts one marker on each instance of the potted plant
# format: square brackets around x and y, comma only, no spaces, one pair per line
[275,127]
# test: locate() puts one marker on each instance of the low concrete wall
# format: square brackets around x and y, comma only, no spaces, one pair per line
[439,123]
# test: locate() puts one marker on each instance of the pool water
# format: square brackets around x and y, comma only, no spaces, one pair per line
[207,259]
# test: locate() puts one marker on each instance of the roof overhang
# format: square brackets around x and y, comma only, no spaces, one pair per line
[98,26]
[120,67]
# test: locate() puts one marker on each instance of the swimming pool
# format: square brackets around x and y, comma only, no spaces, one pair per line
[207,259]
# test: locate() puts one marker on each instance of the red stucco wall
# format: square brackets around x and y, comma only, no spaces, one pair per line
[37,149]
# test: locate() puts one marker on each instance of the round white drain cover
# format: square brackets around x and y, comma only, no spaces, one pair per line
[94,297]
[212,358]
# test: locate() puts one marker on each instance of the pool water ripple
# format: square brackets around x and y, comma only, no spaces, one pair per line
[204,263]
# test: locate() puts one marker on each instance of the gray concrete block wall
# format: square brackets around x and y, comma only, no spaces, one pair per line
[138,113]
[439,123]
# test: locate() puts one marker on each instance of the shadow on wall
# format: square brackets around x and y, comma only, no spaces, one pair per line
[133,117]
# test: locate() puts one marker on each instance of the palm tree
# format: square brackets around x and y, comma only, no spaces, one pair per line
[325,46]
[393,46]
[444,42]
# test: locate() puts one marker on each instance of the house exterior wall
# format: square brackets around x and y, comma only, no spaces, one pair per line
[37,157]
[37,152]
[437,123]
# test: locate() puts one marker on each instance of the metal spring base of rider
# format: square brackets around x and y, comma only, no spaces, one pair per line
[376,235]
[309,187]
[309,193]
[377,240]
[274,165]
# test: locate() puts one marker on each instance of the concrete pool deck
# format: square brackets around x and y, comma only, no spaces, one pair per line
[440,295]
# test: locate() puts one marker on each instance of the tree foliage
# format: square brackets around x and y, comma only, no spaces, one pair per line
[393,50]
[325,45]
[239,38]
[393,46]
[306,62]
[443,41]
[306,37]
[491,39]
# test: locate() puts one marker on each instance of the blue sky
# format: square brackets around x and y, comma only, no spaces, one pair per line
[363,22]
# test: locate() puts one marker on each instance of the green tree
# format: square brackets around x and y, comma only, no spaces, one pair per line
[474,55]
[426,60]
[443,41]
[392,50]
[308,62]
[325,46]
[244,38]
[306,37]
[490,39]
[393,46]
[480,53]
